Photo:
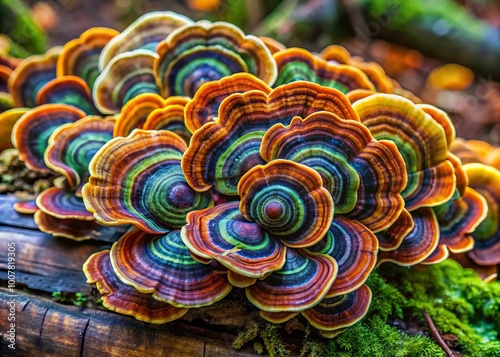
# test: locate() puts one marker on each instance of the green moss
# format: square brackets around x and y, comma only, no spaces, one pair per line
[250,333]
[16,22]
[456,299]
[272,341]
[458,302]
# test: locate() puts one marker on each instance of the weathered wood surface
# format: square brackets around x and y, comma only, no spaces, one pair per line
[9,217]
[46,329]
[44,262]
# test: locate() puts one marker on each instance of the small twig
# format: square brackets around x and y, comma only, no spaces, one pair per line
[436,335]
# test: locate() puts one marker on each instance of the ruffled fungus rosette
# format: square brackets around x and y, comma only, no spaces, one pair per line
[124,299]
[31,75]
[31,132]
[283,208]
[486,180]
[138,180]
[186,58]
[80,57]
[422,141]
[364,176]
[458,217]
[221,152]
[297,64]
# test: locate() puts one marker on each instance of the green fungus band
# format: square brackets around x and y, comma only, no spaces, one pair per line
[147,188]
[163,266]
[123,298]
[223,234]
[31,133]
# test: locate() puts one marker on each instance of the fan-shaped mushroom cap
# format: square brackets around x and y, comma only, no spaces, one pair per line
[72,146]
[297,64]
[223,234]
[204,106]
[31,75]
[126,76]
[7,121]
[203,52]
[420,139]
[354,247]
[144,33]
[486,180]
[170,117]
[31,132]
[221,152]
[136,114]
[138,180]
[124,299]
[419,243]
[162,265]
[288,200]
[303,282]
[333,314]
[69,90]
[80,57]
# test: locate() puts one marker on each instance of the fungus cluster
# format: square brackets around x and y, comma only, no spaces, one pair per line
[240,163]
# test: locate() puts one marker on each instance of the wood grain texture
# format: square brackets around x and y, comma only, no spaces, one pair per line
[46,329]
[44,262]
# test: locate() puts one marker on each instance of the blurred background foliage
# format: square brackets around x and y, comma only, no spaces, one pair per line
[414,41]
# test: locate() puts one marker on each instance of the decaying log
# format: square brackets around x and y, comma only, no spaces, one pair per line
[43,262]
[45,328]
